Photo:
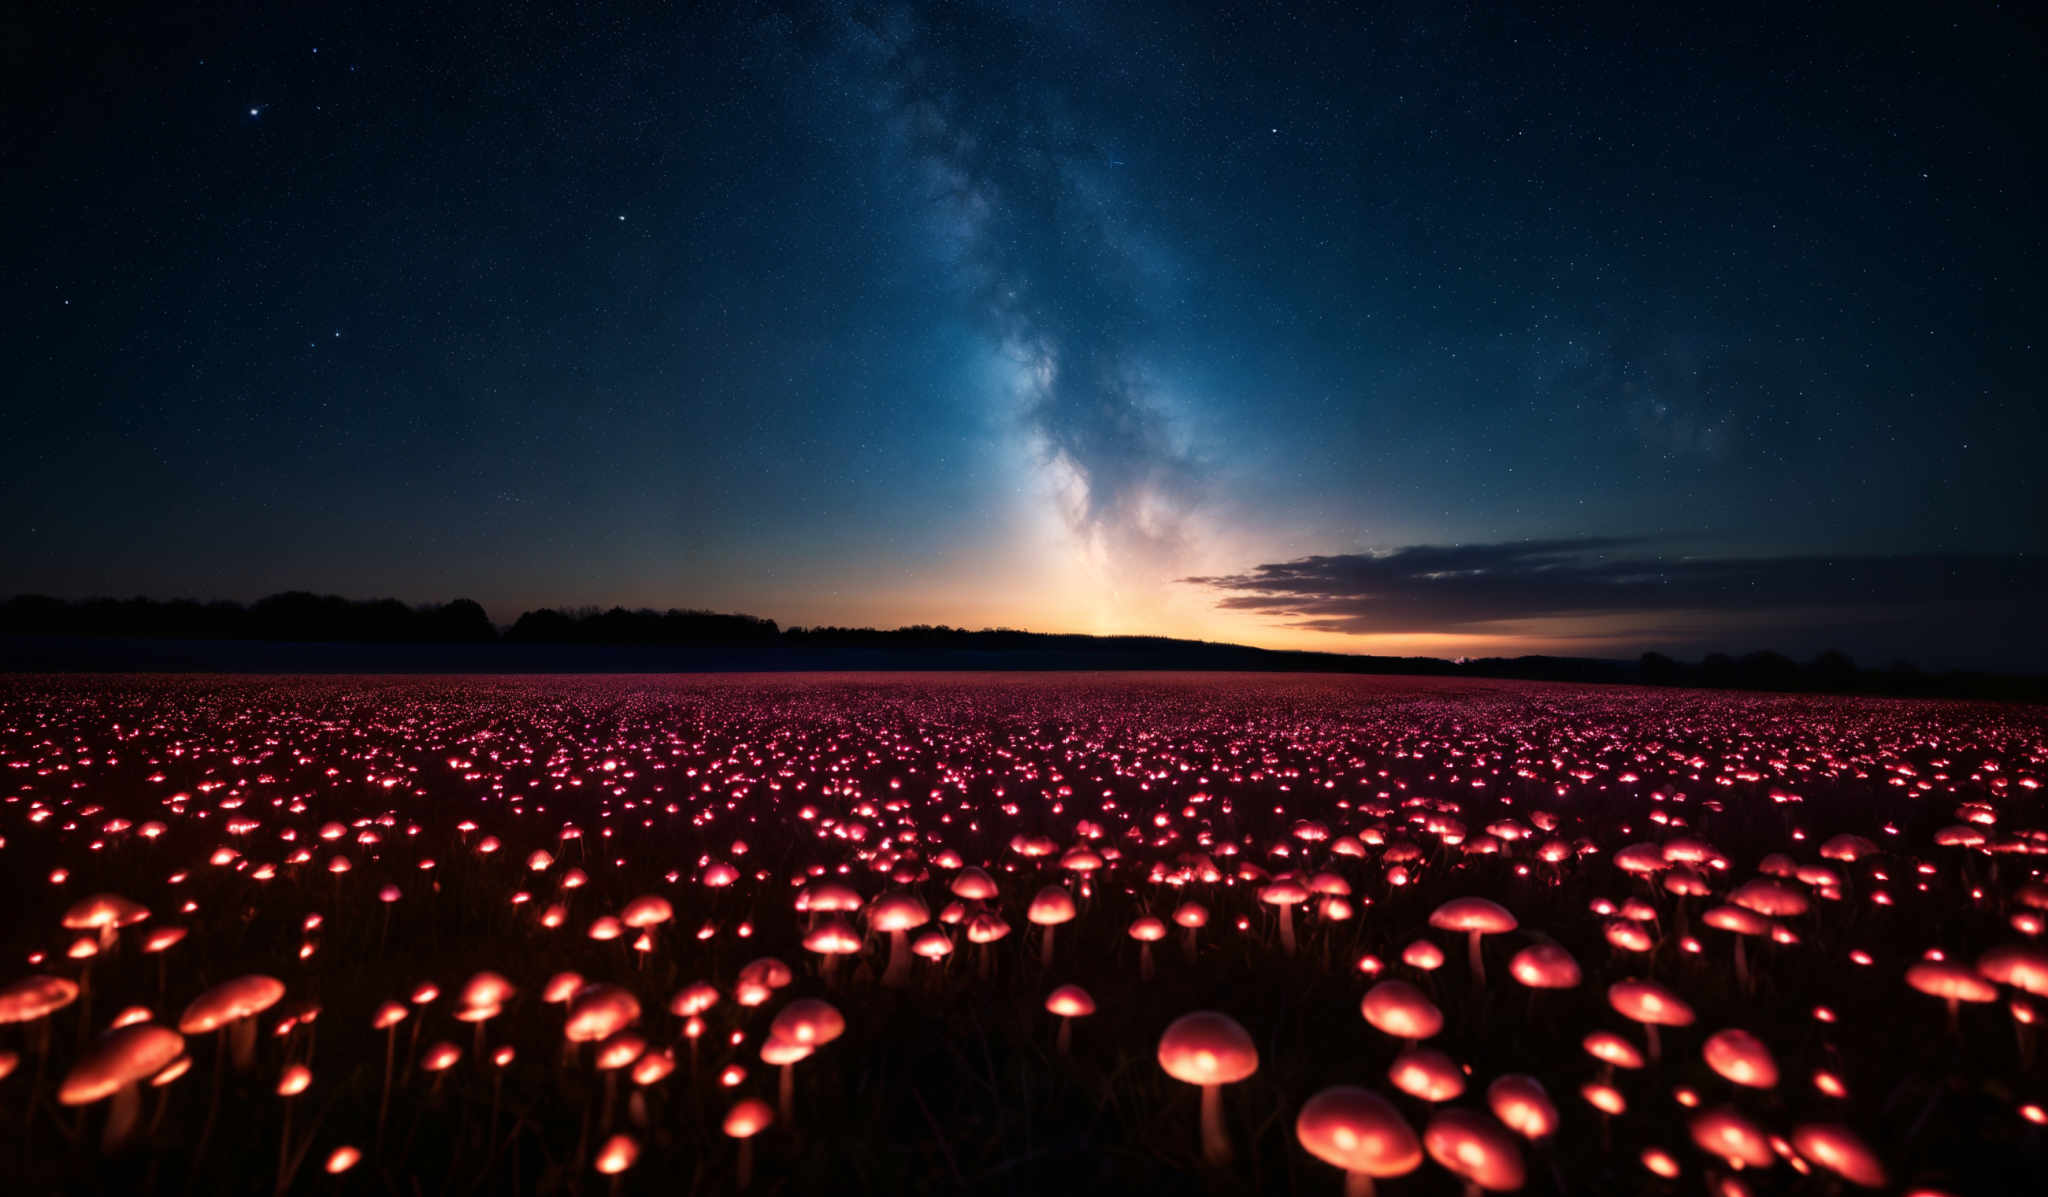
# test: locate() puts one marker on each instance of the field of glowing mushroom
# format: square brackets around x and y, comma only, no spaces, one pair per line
[1015,934]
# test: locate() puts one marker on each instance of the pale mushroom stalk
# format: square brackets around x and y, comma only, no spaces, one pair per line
[1209,1050]
[122,1116]
[213,1101]
[1215,1143]
[899,959]
[284,1146]
[384,1098]
[84,1003]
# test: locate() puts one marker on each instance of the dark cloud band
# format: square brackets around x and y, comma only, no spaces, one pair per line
[1428,588]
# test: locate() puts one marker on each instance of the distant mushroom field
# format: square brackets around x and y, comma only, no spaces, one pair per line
[1015,934]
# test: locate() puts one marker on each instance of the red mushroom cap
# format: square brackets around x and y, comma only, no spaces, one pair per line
[1837,1149]
[1473,914]
[121,1058]
[1545,966]
[1474,1147]
[229,1002]
[1070,1001]
[1401,1010]
[1207,1048]
[34,997]
[1359,1131]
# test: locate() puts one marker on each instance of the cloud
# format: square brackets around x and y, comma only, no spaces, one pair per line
[1464,588]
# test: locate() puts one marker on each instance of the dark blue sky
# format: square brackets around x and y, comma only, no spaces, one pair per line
[1099,317]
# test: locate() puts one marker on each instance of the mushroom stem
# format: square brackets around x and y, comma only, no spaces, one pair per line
[1656,1048]
[1215,1145]
[1045,954]
[384,1099]
[746,1163]
[899,960]
[1287,928]
[220,1053]
[1477,958]
[1145,962]
[242,1042]
[1358,1184]
[1066,1039]
[412,1044]
[84,1004]
[121,1119]
[786,1094]
[1741,965]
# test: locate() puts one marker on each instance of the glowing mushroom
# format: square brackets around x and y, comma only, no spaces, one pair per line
[831,938]
[1210,1050]
[785,1054]
[1286,893]
[1475,917]
[1069,1002]
[1731,1136]
[1147,930]
[105,914]
[1650,1004]
[231,1008]
[1952,983]
[1051,906]
[1742,923]
[897,914]
[599,1011]
[1522,1105]
[1426,1073]
[1474,1148]
[1838,1149]
[1359,1131]
[1401,1010]
[115,1067]
[33,999]
[1740,1057]
[746,1119]
[1190,917]
[1544,966]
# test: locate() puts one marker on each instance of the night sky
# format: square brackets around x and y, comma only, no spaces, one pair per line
[1401,328]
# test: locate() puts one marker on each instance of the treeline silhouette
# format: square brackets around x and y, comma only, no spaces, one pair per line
[620,626]
[294,615]
[605,638]
[1831,672]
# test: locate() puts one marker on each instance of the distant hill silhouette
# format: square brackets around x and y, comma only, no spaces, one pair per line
[299,630]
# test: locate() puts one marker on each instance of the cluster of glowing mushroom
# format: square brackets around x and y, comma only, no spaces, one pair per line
[1037,933]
